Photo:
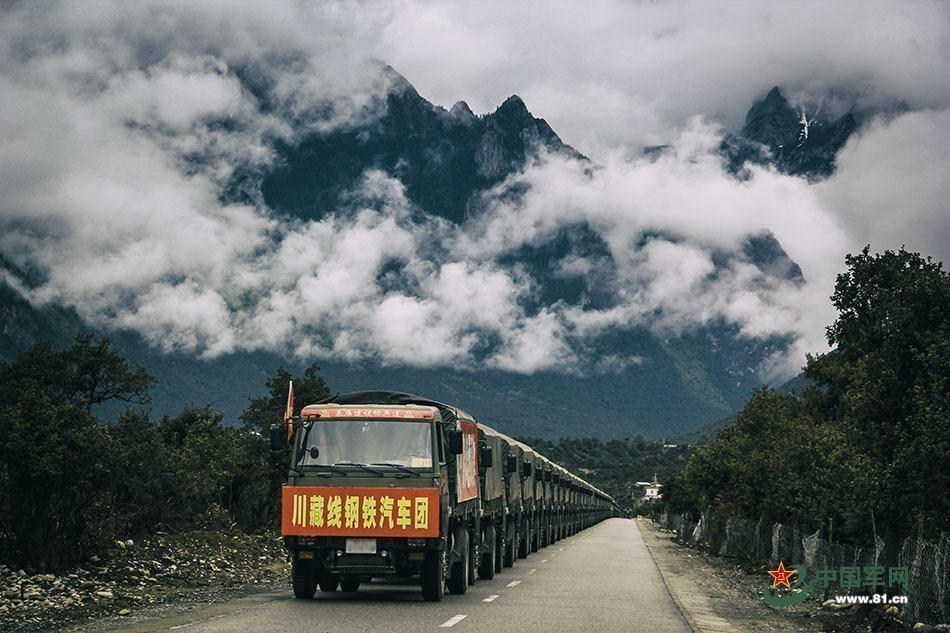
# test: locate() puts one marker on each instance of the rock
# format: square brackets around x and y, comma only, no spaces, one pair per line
[892,610]
[130,543]
[942,628]
[920,627]
[124,612]
[105,594]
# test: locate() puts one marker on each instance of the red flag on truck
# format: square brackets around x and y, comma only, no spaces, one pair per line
[289,413]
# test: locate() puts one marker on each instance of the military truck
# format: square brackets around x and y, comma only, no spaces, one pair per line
[387,484]
[382,484]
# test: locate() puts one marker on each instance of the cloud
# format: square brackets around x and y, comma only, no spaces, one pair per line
[133,137]
[891,188]
[615,74]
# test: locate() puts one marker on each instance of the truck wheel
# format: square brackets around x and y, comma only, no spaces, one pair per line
[499,553]
[433,577]
[329,584]
[486,566]
[350,585]
[302,579]
[473,558]
[458,579]
[523,541]
[534,535]
[511,547]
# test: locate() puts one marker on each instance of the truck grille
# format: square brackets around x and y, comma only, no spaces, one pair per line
[364,563]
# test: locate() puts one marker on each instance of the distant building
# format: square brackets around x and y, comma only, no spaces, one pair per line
[651,489]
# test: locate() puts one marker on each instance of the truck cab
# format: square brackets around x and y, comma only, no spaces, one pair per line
[381,485]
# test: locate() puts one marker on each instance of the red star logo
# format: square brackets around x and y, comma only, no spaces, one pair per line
[781,576]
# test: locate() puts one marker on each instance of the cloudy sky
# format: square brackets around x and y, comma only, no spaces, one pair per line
[122,123]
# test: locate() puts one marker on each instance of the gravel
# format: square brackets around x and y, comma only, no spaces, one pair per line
[137,576]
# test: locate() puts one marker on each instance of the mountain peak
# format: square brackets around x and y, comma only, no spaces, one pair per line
[444,158]
[513,105]
[461,112]
[796,141]
[775,95]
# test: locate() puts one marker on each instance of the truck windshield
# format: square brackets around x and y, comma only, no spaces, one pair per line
[406,444]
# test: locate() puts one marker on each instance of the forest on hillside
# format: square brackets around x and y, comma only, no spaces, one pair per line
[864,446]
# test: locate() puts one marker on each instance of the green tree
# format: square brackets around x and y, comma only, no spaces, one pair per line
[868,441]
[91,371]
[776,461]
[53,470]
[886,383]
[262,412]
[55,459]
[260,492]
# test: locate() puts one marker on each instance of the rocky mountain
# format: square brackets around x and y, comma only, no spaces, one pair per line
[445,159]
[796,141]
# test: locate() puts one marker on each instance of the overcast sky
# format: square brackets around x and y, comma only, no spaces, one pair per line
[114,158]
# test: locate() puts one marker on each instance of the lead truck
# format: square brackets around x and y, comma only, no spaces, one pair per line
[385,484]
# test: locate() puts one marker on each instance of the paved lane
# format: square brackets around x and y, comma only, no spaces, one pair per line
[602,579]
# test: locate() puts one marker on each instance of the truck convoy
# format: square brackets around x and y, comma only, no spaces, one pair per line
[387,484]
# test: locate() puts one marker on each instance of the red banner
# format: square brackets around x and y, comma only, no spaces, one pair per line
[385,413]
[467,462]
[359,512]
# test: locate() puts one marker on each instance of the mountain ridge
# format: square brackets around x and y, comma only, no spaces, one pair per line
[775,133]
[636,381]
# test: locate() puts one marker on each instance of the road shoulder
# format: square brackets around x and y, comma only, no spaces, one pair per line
[709,593]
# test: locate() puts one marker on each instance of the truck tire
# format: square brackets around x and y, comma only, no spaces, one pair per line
[473,558]
[486,566]
[524,535]
[329,584]
[511,547]
[534,535]
[350,585]
[458,579]
[433,577]
[499,552]
[302,578]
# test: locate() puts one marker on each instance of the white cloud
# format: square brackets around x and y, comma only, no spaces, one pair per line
[891,187]
[122,124]
[618,74]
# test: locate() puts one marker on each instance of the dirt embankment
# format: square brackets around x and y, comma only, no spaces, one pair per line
[161,571]
[719,594]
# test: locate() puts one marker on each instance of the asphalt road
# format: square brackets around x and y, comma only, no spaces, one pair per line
[602,579]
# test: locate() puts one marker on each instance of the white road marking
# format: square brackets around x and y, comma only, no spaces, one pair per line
[531,571]
[490,598]
[513,583]
[544,561]
[452,621]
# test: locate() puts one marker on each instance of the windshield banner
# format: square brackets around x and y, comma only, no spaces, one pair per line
[359,512]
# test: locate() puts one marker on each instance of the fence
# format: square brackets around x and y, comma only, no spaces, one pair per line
[927,563]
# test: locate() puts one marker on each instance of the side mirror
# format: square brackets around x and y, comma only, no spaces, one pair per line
[278,450]
[512,465]
[485,457]
[455,442]
[526,469]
